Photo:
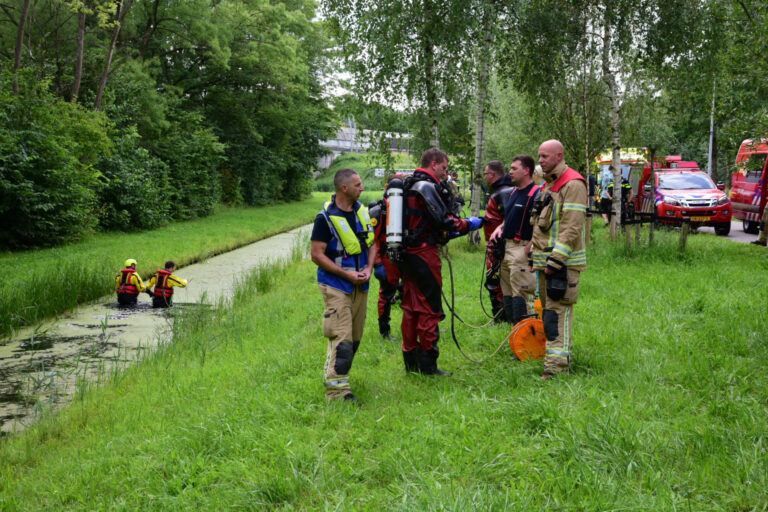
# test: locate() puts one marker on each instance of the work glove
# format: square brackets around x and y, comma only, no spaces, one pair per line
[379,272]
[474,223]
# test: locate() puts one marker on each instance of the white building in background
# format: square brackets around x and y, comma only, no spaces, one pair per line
[349,139]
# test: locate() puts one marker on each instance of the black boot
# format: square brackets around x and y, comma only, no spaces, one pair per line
[519,309]
[411,360]
[497,309]
[428,362]
[509,311]
[384,328]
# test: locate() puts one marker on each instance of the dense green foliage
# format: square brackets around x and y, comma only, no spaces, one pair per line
[132,180]
[665,408]
[203,102]
[48,152]
[37,284]
[551,62]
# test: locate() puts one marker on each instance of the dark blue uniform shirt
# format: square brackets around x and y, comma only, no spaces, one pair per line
[517,218]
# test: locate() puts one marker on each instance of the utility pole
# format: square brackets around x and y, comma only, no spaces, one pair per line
[711,130]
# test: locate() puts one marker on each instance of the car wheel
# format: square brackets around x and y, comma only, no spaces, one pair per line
[723,228]
[750,227]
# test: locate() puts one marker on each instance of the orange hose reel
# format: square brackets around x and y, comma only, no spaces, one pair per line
[527,339]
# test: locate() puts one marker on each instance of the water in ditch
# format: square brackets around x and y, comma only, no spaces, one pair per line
[42,367]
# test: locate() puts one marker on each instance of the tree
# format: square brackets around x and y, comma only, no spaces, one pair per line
[415,53]
[122,7]
[19,42]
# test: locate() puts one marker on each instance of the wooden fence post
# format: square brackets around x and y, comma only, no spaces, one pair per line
[650,232]
[684,235]
[628,236]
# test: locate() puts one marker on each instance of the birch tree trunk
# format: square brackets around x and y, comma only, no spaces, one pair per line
[482,97]
[610,80]
[122,10]
[19,44]
[429,72]
[79,55]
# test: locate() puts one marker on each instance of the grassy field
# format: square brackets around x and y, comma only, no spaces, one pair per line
[364,166]
[38,284]
[666,407]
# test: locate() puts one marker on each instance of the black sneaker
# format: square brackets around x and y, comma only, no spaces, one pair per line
[758,242]
[442,373]
[349,397]
[388,336]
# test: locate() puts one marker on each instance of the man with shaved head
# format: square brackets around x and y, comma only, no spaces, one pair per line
[557,251]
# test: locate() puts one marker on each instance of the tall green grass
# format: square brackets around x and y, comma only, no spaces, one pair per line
[665,408]
[37,284]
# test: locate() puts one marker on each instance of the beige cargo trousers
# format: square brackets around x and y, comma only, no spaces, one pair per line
[343,322]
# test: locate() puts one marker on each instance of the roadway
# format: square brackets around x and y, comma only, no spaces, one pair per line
[737,234]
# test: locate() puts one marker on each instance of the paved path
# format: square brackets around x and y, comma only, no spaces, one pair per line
[736,234]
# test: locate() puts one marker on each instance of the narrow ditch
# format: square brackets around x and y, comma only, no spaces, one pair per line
[42,367]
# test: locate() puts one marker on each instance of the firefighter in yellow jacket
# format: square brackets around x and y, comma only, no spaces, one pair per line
[164,282]
[128,284]
[557,251]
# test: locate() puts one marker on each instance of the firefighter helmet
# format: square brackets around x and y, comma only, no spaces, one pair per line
[129,262]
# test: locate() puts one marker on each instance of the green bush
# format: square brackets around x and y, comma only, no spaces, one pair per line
[134,187]
[48,149]
[193,154]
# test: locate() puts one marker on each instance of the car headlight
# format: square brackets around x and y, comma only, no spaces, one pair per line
[722,200]
[671,201]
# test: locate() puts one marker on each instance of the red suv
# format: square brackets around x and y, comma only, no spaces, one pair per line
[691,194]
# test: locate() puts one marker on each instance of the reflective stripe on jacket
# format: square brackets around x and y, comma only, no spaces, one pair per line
[348,247]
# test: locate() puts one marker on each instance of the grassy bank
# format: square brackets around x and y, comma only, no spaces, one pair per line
[665,408]
[364,166]
[41,283]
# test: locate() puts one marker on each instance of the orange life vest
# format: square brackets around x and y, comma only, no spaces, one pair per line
[126,286]
[161,290]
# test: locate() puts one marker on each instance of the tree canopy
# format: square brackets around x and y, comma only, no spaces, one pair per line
[194,103]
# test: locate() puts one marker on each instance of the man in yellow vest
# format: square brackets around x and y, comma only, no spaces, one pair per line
[344,251]
[128,284]
[164,282]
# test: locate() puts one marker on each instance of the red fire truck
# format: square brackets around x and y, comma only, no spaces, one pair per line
[748,185]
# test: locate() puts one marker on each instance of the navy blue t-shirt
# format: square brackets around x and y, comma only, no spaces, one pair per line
[517,218]
[322,233]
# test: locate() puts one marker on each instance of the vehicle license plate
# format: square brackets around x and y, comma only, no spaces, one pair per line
[700,219]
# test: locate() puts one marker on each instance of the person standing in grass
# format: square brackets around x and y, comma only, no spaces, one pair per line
[606,194]
[500,185]
[557,252]
[762,237]
[517,284]
[386,272]
[344,251]
[128,284]
[428,224]
[164,282]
